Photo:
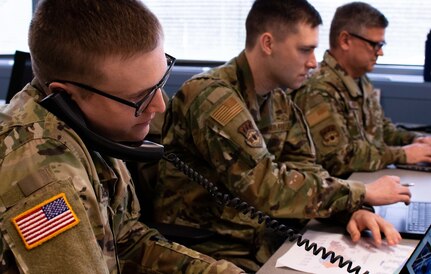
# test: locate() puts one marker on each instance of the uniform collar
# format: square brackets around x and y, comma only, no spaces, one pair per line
[247,88]
[351,84]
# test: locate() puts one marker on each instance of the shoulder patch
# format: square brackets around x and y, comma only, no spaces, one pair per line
[317,115]
[330,136]
[225,112]
[251,134]
[45,221]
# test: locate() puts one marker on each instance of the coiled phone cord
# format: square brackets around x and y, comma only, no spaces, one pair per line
[245,208]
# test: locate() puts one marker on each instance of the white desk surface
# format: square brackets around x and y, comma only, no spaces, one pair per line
[420,179]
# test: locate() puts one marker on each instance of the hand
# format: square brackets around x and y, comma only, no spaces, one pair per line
[417,152]
[423,140]
[364,219]
[386,190]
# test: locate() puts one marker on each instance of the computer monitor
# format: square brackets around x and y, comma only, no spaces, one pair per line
[21,74]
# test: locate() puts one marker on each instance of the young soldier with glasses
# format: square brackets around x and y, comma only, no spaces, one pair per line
[64,206]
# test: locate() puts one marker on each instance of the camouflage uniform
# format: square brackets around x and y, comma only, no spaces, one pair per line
[347,122]
[45,163]
[255,147]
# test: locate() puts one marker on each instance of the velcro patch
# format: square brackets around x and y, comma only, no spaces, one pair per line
[317,115]
[253,138]
[45,221]
[227,111]
[330,136]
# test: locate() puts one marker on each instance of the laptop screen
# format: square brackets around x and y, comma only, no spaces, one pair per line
[420,260]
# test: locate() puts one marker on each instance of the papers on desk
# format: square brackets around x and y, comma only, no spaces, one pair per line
[383,260]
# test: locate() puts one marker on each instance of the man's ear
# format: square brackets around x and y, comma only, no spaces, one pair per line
[58,87]
[266,42]
[344,40]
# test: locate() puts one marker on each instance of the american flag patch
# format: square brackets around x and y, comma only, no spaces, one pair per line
[227,111]
[45,221]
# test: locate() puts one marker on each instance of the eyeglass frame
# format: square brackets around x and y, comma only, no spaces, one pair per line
[375,45]
[147,98]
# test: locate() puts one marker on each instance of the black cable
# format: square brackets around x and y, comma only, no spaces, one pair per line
[292,236]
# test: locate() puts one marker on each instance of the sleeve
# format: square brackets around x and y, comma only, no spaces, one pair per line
[45,227]
[341,149]
[396,136]
[152,253]
[51,222]
[227,138]
[391,135]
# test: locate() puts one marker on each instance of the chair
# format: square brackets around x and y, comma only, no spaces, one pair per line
[21,74]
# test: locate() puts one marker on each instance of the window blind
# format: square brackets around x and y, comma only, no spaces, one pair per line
[214,30]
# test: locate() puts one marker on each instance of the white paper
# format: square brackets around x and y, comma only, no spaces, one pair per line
[383,260]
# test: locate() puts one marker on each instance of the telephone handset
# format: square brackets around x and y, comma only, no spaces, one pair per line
[60,104]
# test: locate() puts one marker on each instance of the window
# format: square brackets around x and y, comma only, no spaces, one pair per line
[15,16]
[214,30]
[202,29]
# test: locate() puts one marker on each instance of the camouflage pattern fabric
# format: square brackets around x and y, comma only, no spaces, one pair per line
[347,122]
[254,147]
[42,157]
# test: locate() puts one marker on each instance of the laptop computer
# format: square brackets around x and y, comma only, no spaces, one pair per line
[420,260]
[411,221]
[423,166]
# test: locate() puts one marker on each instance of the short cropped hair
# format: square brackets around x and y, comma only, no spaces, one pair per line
[69,38]
[280,17]
[355,17]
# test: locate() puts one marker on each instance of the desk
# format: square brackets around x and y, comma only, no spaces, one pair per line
[422,180]
[269,266]
[366,177]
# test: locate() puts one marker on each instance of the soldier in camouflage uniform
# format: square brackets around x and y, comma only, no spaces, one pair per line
[342,107]
[237,128]
[64,207]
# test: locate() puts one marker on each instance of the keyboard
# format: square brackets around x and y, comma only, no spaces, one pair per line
[419,216]
[416,167]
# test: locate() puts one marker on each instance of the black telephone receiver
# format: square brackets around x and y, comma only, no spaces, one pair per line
[60,104]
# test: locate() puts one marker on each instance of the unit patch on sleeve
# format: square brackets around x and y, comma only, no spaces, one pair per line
[45,221]
[330,136]
[251,134]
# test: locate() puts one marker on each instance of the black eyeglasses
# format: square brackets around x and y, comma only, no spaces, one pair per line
[142,104]
[375,45]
